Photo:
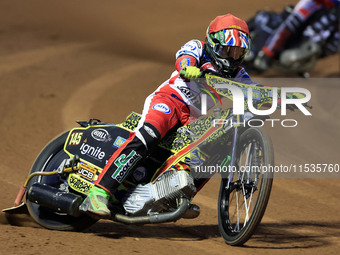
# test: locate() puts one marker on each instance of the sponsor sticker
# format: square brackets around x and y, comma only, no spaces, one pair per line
[184,63]
[101,135]
[124,163]
[87,172]
[198,44]
[94,152]
[193,96]
[256,94]
[139,174]
[150,132]
[79,184]
[162,108]
[119,141]
[192,45]
[75,138]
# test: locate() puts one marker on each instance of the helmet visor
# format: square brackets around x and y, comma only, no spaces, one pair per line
[230,52]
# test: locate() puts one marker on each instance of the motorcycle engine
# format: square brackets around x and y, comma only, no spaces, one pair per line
[161,195]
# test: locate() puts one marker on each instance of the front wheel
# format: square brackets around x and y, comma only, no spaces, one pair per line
[243,199]
[48,160]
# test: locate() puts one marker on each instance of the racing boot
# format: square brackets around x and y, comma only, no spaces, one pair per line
[96,204]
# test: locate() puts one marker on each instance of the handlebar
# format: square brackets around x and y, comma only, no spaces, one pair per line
[203,73]
[209,71]
[213,72]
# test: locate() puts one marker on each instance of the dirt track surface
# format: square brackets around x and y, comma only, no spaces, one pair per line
[62,61]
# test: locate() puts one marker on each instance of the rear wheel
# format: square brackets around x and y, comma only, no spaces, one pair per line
[243,202]
[48,160]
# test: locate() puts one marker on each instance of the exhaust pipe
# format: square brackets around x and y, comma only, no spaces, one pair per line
[156,218]
[69,203]
[54,199]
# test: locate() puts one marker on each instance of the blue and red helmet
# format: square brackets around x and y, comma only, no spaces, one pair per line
[228,41]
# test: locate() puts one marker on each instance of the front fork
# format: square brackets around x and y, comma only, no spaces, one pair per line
[246,177]
[233,157]
[235,140]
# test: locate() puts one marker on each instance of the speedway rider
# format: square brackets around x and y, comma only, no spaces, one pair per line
[227,41]
[293,24]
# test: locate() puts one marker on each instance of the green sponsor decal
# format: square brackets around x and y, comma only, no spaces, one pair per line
[124,164]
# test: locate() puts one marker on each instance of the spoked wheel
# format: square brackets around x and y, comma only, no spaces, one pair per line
[243,200]
[48,160]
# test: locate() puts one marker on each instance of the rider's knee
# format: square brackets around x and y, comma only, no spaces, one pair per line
[148,135]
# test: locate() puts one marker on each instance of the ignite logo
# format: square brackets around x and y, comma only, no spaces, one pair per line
[93,152]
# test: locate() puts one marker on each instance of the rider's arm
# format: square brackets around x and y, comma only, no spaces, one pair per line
[189,54]
[184,61]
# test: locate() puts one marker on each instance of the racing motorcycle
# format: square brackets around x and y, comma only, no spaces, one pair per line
[220,143]
[302,51]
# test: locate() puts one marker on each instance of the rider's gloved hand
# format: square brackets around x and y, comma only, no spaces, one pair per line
[295,95]
[190,72]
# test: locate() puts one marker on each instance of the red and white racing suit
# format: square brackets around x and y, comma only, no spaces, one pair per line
[171,105]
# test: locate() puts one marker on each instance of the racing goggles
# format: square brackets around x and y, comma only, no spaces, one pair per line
[226,52]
